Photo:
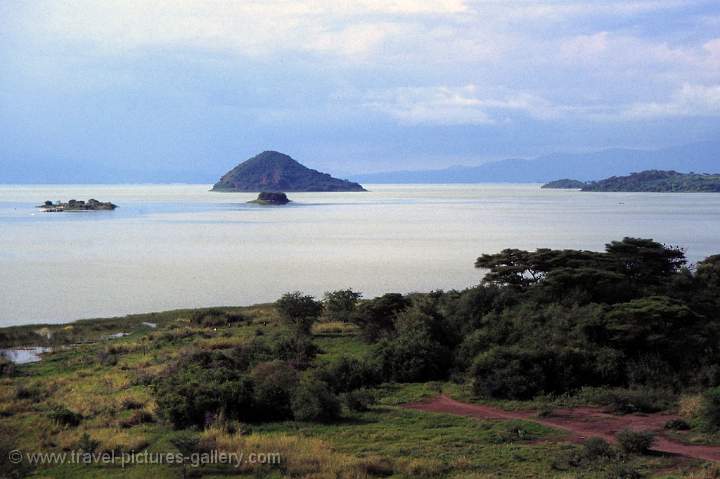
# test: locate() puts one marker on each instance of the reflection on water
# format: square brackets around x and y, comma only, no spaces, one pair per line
[176,246]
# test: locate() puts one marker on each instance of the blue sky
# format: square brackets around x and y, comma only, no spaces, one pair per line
[350,86]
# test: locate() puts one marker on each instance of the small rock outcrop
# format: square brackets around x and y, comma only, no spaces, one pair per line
[75,205]
[271,198]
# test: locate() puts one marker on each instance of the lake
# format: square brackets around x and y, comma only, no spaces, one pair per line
[177,246]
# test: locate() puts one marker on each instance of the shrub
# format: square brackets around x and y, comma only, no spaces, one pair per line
[297,349]
[275,383]
[87,444]
[347,374]
[626,401]
[214,317]
[107,357]
[7,367]
[193,396]
[64,417]
[509,373]
[596,448]
[677,425]
[314,401]
[710,410]
[633,442]
[513,431]
[359,399]
[130,403]
[620,470]
[136,418]
[29,392]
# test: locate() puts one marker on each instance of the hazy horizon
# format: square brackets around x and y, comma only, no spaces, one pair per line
[102,90]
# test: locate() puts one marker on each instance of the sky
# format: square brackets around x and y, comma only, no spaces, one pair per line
[190,88]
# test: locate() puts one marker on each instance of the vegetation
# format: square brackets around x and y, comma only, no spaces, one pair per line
[565,183]
[269,198]
[273,171]
[658,181]
[632,329]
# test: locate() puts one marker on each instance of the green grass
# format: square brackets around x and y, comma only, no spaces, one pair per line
[407,443]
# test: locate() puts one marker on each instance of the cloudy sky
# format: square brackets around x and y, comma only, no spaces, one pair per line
[351,86]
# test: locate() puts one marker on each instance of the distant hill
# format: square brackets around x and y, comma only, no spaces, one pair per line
[274,171]
[658,181]
[564,184]
[699,157]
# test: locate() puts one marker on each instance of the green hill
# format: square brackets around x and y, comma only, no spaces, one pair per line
[565,184]
[658,181]
[274,172]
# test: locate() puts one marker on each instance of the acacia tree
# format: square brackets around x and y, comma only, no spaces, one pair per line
[340,304]
[299,311]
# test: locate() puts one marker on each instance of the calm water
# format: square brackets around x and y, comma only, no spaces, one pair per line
[175,246]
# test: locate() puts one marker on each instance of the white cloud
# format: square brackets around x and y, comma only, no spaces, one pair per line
[690,100]
[459,105]
[468,105]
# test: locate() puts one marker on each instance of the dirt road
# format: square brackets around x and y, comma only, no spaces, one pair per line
[581,423]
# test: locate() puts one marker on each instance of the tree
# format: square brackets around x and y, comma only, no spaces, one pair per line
[376,317]
[413,354]
[299,311]
[340,304]
[644,260]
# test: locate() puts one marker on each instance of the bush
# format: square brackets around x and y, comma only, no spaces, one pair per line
[108,357]
[413,354]
[619,470]
[297,349]
[275,384]
[193,396]
[314,401]
[596,448]
[7,367]
[710,410]
[677,425]
[136,418]
[508,373]
[29,392]
[213,318]
[359,399]
[64,417]
[633,442]
[627,401]
[87,444]
[347,374]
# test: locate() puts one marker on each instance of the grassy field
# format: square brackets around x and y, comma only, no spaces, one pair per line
[107,385]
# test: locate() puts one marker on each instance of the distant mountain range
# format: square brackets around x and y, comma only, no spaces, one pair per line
[696,157]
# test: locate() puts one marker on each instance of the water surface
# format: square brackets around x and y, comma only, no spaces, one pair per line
[173,246]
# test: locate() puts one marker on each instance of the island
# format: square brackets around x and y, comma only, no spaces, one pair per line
[75,205]
[274,171]
[564,184]
[659,181]
[270,198]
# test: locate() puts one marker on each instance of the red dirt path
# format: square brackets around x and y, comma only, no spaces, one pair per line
[580,422]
